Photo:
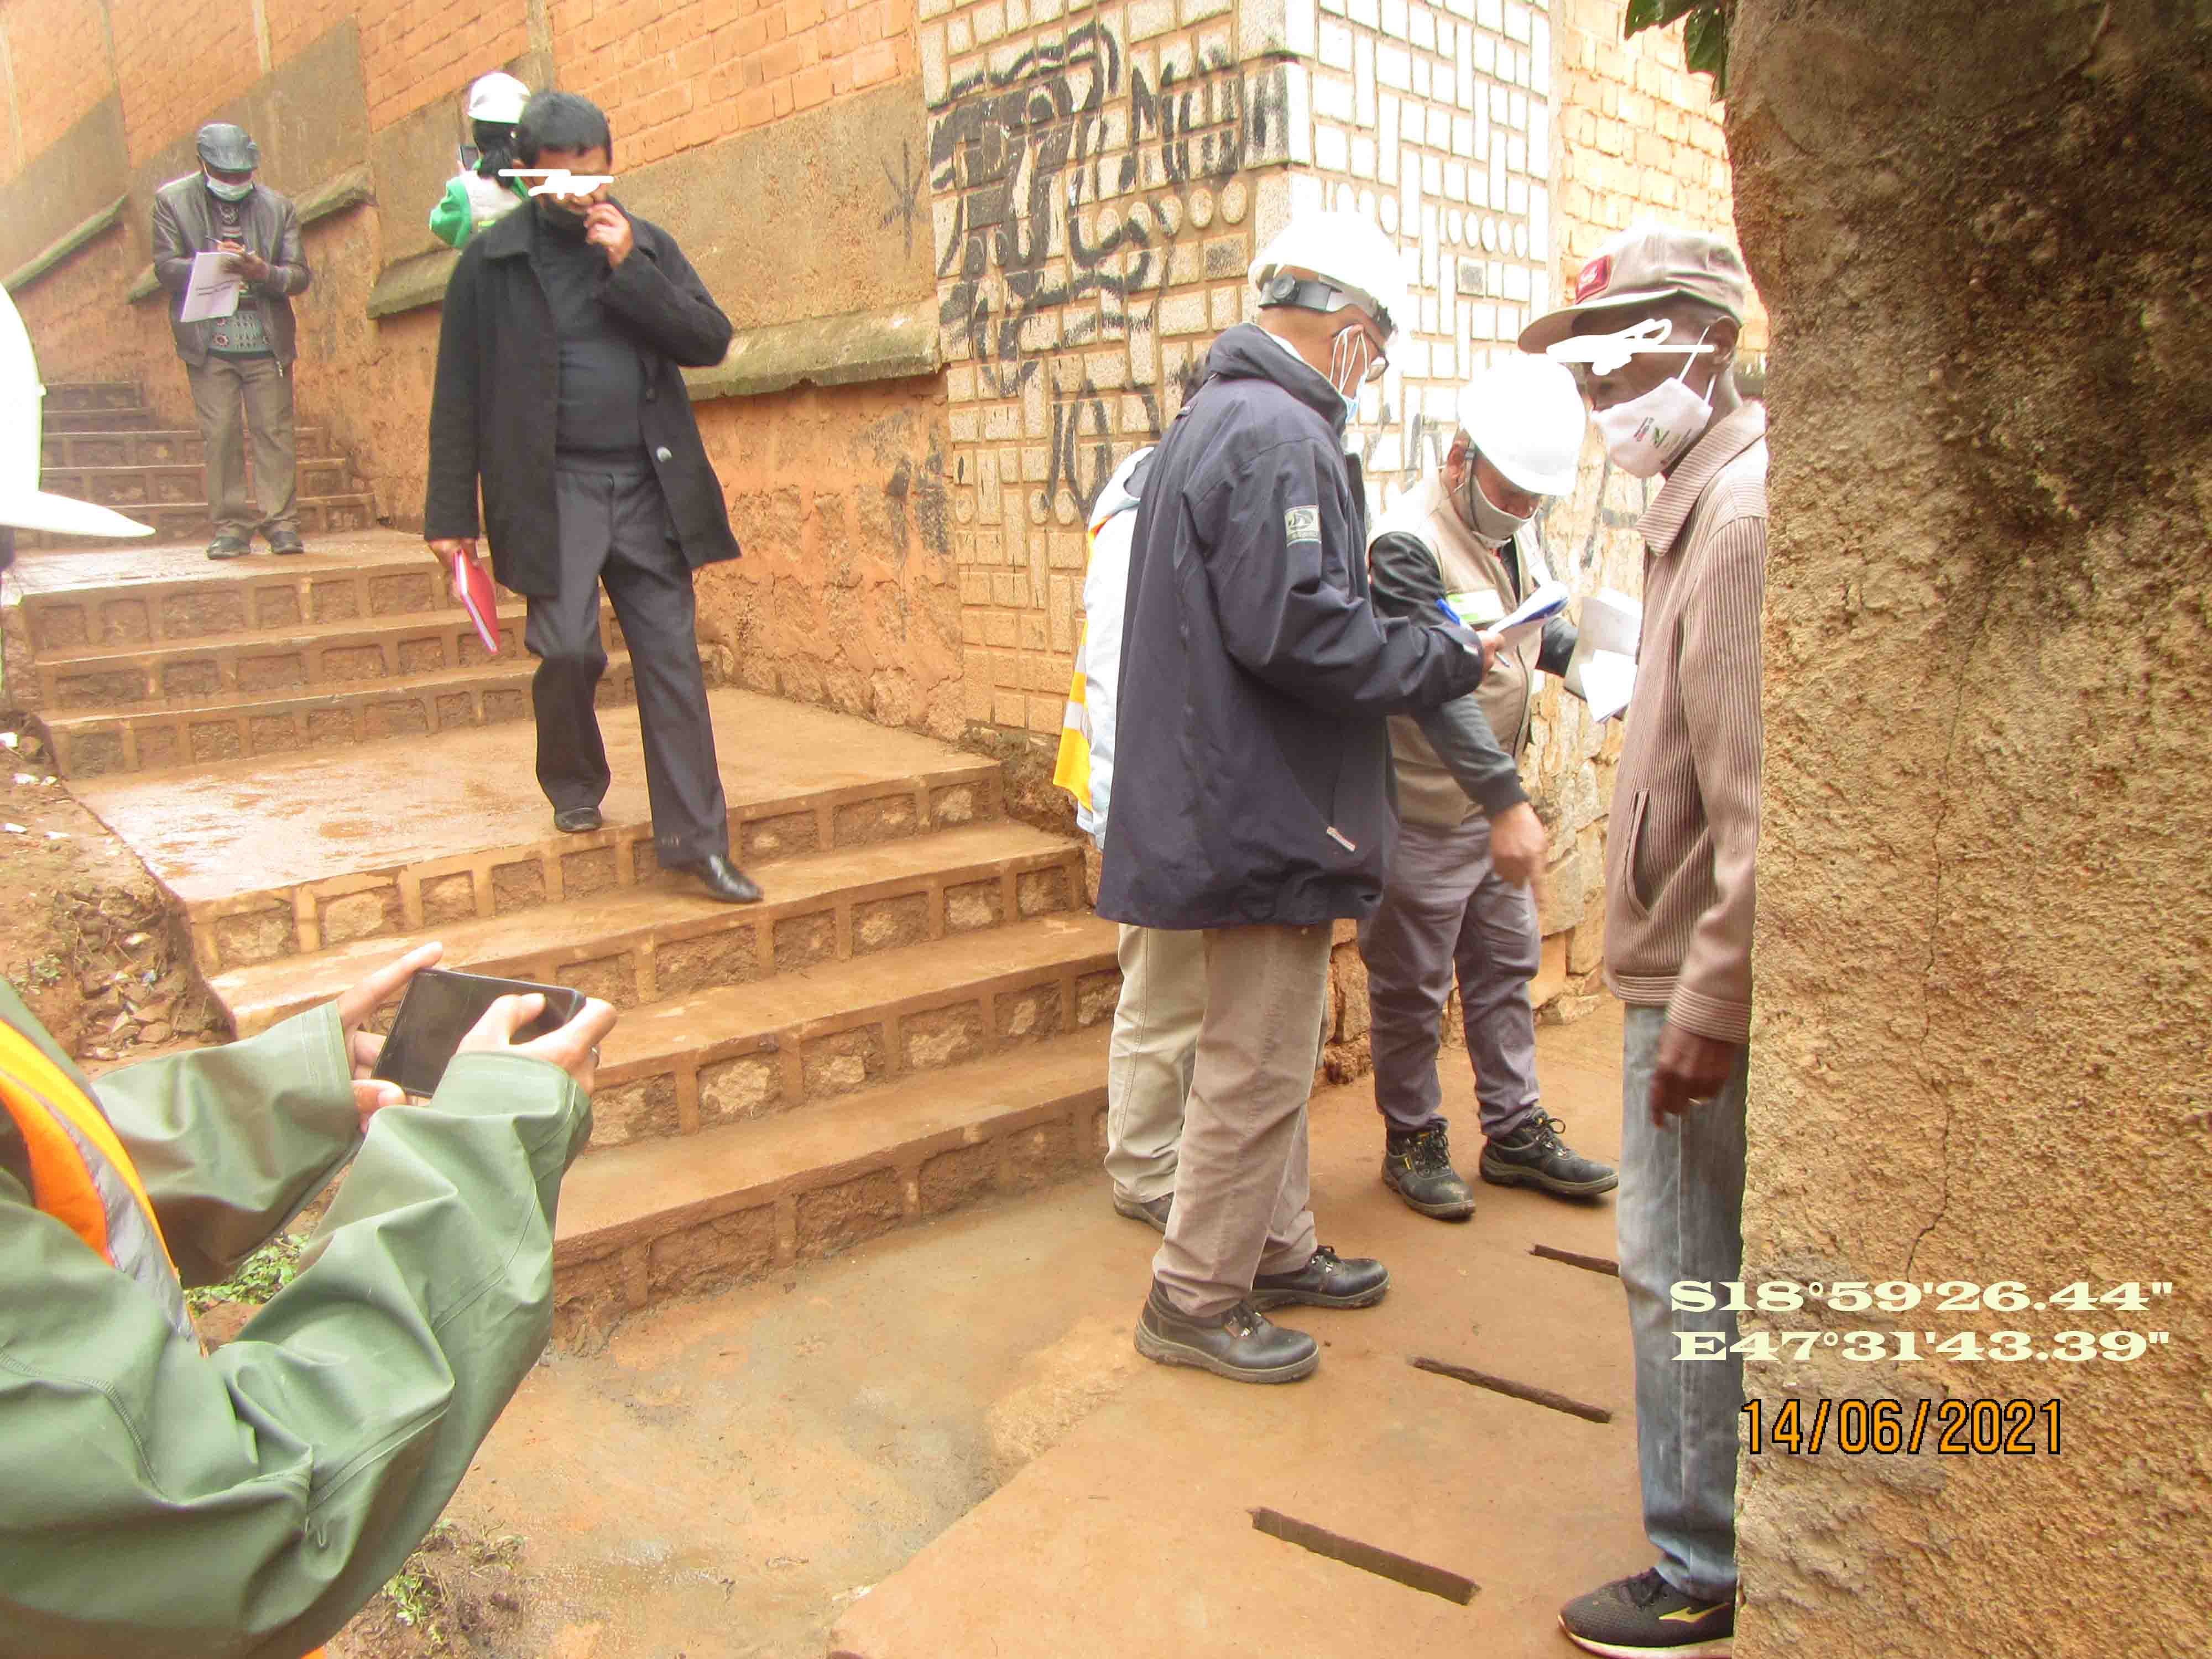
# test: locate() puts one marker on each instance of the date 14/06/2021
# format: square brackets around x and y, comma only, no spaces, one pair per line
[1951,1428]
[2074,1347]
[1897,1296]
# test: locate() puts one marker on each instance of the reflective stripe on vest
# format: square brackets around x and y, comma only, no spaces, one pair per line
[81,1177]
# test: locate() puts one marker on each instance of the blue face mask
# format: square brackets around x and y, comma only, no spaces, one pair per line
[230,192]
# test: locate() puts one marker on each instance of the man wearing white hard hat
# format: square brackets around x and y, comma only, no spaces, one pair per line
[477,195]
[1652,334]
[1251,786]
[1458,904]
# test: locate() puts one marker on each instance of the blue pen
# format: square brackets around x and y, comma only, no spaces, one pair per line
[1451,615]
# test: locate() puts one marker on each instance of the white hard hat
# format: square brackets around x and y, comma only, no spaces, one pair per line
[1525,415]
[1348,252]
[23,505]
[497,97]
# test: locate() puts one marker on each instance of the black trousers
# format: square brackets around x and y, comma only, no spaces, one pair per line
[615,529]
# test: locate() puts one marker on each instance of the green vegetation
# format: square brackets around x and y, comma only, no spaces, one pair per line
[1704,36]
[259,1277]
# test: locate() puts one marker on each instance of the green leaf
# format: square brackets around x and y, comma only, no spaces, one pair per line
[1654,14]
[1704,46]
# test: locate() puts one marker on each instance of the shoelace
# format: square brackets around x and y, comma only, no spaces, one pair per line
[1543,1131]
[1647,1587]
[1244,1319]
[1430,1150]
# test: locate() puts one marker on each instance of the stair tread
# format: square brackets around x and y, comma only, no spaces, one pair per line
[253,824]
[732,1017]
[517,669]
[648,1187]
[586,928]
[274,642]
[70,577]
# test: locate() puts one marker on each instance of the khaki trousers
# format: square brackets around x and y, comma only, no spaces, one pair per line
[1241,1187]
[263,387]
[1149,1062]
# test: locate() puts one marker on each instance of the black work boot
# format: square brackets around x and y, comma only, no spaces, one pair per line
[1417,1168]
[1327,1280]
[1240,1345]
[1535,1156]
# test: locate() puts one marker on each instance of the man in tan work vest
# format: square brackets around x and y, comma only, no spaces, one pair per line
[1458,904]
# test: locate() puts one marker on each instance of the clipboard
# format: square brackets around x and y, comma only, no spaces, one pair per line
[474,590]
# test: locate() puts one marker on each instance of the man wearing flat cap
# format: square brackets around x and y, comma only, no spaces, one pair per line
[1651,335]
[243,362]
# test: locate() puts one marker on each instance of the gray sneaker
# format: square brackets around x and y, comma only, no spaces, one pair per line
[1632,1617]
[1153,1214]
[1535,1156]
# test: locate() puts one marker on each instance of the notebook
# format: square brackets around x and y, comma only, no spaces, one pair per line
[474,590]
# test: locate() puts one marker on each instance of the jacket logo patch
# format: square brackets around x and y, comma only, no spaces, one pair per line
[1301,523]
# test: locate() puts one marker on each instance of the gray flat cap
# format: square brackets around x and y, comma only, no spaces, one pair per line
[227,148]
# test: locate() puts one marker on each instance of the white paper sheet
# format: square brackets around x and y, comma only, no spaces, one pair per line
[212,289]
[1602,671]
[1533,612]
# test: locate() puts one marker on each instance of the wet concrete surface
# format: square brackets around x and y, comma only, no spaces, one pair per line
[734,1474]
[260,825]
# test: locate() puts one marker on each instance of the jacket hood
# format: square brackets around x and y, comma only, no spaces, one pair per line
[1124,488]
[1248,352]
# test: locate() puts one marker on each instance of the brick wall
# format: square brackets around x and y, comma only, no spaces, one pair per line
[58,67]
[174,63]
[1097,176]
[676,74]
[1640,139]
[415,52]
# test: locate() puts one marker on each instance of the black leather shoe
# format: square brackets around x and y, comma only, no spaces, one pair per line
[228,547]
[723,880]
[1535,1156]
[1239,1345]
[577,820]
[286,541]
[1153,1214]
[1327,1280]
[1418,1167]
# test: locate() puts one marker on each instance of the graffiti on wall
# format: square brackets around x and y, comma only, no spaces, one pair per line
[1021,151]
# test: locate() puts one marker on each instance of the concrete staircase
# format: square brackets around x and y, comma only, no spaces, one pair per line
[313,757]
[103,444]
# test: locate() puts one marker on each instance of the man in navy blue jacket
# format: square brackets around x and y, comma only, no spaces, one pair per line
[1252,794]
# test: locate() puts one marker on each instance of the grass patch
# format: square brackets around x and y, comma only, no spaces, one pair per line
[259,1277]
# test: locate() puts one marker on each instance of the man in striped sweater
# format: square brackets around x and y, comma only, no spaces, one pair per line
[1652,335]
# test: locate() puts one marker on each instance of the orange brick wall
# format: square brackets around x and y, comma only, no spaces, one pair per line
[57,52]
[1639,138]
[676,74]
[413,52]
[176,62]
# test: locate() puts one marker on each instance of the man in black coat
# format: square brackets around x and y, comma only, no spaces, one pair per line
[558,391]
[1252,787]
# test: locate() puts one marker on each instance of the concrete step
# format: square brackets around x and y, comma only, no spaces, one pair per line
[319,515]
[637,945]
[202,731]
[137,417]
[151,591]
[657,1219]
[147,445]
[749,1050]
[127,488]
[314,657]
[259,852]
[79,396]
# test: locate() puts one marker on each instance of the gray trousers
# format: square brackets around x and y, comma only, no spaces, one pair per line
[262,388]
[1445,913]
[1681,1217]
[1151,1058]
[1241,1188]
[615,529]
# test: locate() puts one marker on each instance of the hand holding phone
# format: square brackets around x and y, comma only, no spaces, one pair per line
[574,1047]
[443,1010]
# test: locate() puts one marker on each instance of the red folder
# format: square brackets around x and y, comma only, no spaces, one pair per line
[474,590]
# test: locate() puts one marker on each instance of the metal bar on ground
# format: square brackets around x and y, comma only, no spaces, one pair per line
[1529,1392]
[1597,1264]
[1368,1557]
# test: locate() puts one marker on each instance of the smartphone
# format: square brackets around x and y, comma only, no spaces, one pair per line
[442,1007]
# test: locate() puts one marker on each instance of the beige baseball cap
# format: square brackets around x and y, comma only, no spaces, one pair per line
[1645,264]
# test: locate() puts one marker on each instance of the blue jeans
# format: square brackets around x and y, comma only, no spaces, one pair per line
[1681,1216]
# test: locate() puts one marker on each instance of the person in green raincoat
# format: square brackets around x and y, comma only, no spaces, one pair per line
[157,1501]
[477,195]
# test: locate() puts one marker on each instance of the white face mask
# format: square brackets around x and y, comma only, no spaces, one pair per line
[1490,523]
[230,192]
[1646,435]
[1349,357]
